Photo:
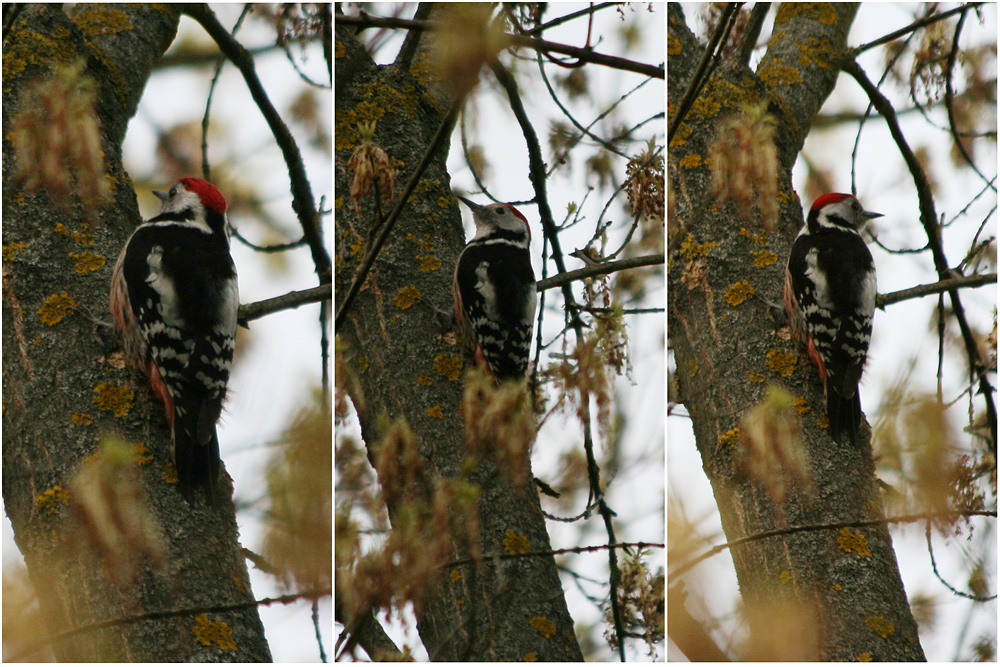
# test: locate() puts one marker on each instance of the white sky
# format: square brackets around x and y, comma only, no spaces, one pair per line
[900,333]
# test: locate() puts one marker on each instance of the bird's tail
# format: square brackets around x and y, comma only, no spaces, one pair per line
[843,410]
[196,458]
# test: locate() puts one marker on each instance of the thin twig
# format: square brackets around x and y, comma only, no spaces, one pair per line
[302,198]
[792,530]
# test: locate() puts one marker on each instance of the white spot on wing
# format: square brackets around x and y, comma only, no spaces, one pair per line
[161,283]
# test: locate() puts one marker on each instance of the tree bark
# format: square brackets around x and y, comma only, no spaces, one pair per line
[846,585]
[190,600]
[491,610]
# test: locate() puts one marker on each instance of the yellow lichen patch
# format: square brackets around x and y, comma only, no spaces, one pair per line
[55,308]
[455,576]
[706,106]
[242,587]
[760,239]
[673,46]
[690,161]
[10,250]
[424,243]
[435,411]
[785,577]
[691,249]
[378,99]
[87,261]
[693,367]
[730,437]
[763,257]
[848,541]
[545,627]
[777,73]
[529,657]
[838,587]
[882,627]
[357,248]
[865,657]
[170,474]
[514,543]
[681,136]
[802,405]
[448,366]
[80,419]
[103,22]
[738,293]
[116,398]
[83,238]
[817,52]
[756,377]
[208,632]
[52,500]
[42,49]
[141,454]
[407,296]
[422,70]
[424,380]
[782,363]
[429,263]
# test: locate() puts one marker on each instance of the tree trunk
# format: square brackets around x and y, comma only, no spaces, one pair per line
[178,590]
[832,594]
[405,361]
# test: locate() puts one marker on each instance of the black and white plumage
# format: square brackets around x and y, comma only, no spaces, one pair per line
[174,298]
[494,290]
[830,288]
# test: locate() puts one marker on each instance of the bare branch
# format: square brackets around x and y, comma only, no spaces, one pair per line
[883,300]
[582,54]
[600,269]
[253,311]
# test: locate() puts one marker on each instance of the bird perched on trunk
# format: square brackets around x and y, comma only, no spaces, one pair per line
[830,300]
[174,299]
[494,290]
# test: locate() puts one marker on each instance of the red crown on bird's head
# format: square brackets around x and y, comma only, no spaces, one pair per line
[208,193]
[829,198]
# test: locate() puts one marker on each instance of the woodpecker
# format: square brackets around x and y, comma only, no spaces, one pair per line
[495,292]
[830,301]
[174,299]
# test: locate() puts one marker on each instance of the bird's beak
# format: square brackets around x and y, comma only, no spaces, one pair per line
[164,196]
[869,215]
[471,204]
